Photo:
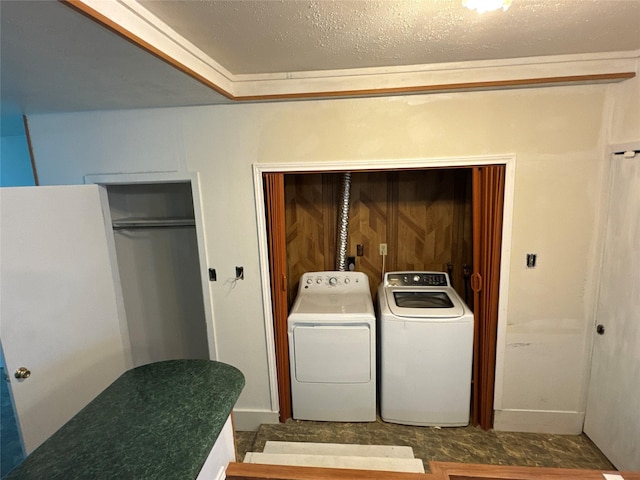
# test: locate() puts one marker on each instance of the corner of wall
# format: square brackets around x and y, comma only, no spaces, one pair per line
[250,420]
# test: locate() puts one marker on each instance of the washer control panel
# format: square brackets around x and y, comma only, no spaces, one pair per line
[323,281]
[417,279]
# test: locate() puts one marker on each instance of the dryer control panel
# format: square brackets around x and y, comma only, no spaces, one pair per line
[417,279]
[323,281]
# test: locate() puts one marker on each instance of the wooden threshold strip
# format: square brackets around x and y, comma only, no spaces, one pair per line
[431,88]
[257,471]
[466,471]
[439,471]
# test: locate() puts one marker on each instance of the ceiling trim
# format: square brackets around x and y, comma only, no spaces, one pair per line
[130,20]
[448,87]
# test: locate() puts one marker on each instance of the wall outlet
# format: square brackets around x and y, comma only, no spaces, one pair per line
[532,258]
[383,249]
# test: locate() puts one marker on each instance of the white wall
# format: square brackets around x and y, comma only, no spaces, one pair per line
[625,122]
[558,134]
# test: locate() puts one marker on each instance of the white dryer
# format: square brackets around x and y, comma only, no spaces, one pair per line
[426,350]
[332,348]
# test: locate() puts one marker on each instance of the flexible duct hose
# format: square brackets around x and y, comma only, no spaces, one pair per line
[343,223]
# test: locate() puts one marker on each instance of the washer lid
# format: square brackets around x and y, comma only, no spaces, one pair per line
[333,304]
[424,302]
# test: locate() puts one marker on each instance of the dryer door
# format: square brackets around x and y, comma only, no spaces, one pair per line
[332,354]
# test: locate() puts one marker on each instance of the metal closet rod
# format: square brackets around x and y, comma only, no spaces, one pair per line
[152,223]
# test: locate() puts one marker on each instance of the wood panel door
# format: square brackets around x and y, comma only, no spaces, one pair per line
[310,223]
[369,223]
[431,222]
[423,216]
[424,202]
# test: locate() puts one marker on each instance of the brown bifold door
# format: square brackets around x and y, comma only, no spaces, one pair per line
[488,205]
[274,194]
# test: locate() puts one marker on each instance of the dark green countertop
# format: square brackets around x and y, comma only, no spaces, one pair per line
[158,421]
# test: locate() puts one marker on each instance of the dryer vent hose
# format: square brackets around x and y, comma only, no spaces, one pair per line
[343,223]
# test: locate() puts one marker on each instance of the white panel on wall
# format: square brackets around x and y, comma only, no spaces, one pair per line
[72,145]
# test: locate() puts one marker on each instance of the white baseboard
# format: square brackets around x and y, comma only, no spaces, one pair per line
[538,421]
[250,420]
[533,421]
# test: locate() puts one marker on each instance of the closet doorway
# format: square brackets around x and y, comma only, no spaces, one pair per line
[158,258]
[390,200]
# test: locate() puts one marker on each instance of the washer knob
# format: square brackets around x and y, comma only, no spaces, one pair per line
[347,280]
[416,278]
[333,281]
[309,281]
[319,280]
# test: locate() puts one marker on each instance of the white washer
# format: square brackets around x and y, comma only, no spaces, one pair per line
[332,348]
[426,350]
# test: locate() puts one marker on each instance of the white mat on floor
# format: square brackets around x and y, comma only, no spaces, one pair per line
[339,449]
[386,464]
[332,455]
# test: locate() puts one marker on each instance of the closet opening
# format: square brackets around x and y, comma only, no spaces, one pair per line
[158,257]
[432,219]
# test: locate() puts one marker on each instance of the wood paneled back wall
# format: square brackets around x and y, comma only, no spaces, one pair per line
[424,217]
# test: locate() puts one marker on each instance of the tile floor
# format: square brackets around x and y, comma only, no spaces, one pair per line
[460,444]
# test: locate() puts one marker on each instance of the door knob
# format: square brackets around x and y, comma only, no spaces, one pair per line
[23,373]
[600,329]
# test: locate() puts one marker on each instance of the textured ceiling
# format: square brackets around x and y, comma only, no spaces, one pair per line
[257,36]
[55,59]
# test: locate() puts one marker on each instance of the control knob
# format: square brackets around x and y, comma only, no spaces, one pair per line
[333,281]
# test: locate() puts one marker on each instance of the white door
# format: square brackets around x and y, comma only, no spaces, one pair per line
[58,313]
[332,353]
[612,416]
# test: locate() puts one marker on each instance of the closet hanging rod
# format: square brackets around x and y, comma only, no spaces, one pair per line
[153,223]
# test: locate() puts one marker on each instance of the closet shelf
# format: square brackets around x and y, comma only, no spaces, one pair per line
[132,223]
